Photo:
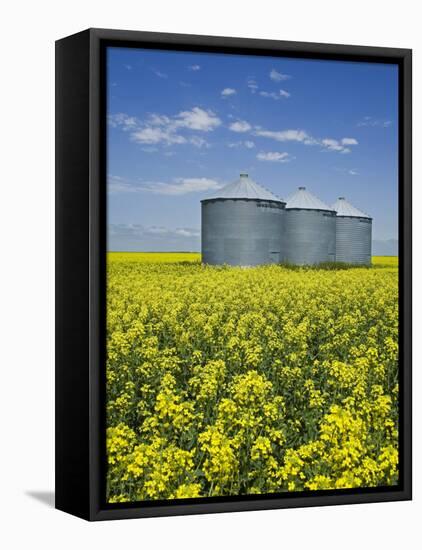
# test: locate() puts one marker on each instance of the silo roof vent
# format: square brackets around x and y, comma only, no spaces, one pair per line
[244,188]
[344,208]
[304,200]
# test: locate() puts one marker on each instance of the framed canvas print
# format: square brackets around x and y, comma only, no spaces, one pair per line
[233,274]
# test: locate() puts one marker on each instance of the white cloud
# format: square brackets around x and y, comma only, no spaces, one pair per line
[240,126]
[349,141]
[347,171]
[327,144]
[167,130]
[176,186]
[277,76]
[311,141]
[274,95]
[182,186]
[228,92]
[252,85]
[156,230]
[273,156]
[160,74]
[248,144]
[284,135]
[197,119]
[373,122]
[338,145]
[159,120]
[332,144]
[134,232]
[122,120]
[187,232]
[116,185]
[155,135]
[199,142]
[194,67]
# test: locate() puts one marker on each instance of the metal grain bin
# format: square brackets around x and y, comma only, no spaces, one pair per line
[243,225]
[353,234]
[310,230]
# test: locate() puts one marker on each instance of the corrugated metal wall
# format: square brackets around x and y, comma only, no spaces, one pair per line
[310,236]
[242,232]
[354,240]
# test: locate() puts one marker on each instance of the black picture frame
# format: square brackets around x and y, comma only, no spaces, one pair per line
[80,271]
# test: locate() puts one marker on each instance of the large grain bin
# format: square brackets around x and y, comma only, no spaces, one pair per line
[353,234]
[310,230]
[242,224]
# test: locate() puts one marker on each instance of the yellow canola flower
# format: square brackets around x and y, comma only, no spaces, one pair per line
[225,381]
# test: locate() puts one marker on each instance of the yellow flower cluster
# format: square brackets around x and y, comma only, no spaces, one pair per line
[228,381]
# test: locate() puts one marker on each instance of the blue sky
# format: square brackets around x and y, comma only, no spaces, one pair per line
[181,125]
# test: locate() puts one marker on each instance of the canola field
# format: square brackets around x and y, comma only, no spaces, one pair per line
[230,381]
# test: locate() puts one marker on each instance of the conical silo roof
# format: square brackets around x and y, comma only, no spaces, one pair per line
[244,188]
[304,200]
[344,208]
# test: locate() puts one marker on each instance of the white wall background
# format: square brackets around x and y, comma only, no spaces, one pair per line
[29,29]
